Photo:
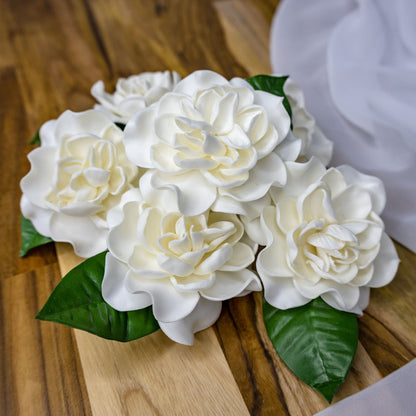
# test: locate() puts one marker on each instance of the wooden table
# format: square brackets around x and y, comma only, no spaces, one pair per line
[51,52]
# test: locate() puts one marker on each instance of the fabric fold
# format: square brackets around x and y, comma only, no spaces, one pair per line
[355,61]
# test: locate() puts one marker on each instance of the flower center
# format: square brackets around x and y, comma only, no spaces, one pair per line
[330,250]
[87,171]
[221,131]
[191,246]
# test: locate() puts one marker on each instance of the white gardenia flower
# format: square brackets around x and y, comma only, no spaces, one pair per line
[77,175]
[132,94]
[314,142]
[325,238]
[214,143]
[182,266]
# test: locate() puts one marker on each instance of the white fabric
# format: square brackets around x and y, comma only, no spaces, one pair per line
[393,395]
[356,63]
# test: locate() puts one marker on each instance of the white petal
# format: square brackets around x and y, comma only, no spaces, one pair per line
[211,145]
[148,226]
[287,215]
[168,304]
[363,276]
[254,230]
[281,293]
[114,290]
[356,227]
[335,181]
[165,199]
[299,177]
[352,203]
[225,113]
[146,264]
[194,163]
[40,217]
[371,236]
[86,238]
[230,284]
[242,257]
[276,112]
[322,240]
[90,122]
[341,233]
[166,127]
[316,203]
[368,256]
[139,137]
[272,260]
[340,296]
[269,171]
[230,205]
[37,183]
[203,316]
[216,260]
[194,194]
[374,186]
[385,264]
[199,80]
[47,134]
[123,237]
[193,282]
[290,148]
[319,146]
[363,301]
[172,103]
[163,158]
[237,138]
[174,266]
[130,106]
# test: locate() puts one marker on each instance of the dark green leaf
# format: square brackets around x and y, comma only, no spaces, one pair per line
[36,139]
[30,237]
[77,302]
[271,84]
[316,341]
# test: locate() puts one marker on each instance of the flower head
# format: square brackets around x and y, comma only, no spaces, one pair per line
[77,175]
[182,265]
[134,93]
[325,238]
[314,142]
[214,143]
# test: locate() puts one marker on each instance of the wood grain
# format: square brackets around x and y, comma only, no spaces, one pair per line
[40,369]
[51,52]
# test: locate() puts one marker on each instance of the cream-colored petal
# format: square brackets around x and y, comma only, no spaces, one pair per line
[230,284]
[203,316]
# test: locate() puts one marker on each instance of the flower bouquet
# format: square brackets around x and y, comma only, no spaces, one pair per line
[182,194]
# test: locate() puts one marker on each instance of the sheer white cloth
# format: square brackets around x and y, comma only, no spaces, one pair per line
[393,395]
[356,63]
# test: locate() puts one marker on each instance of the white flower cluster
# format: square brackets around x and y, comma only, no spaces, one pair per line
[205,171]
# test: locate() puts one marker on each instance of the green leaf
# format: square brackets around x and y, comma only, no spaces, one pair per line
[36,139]
[271,84]
[77,302]
[316,341]
[30,237]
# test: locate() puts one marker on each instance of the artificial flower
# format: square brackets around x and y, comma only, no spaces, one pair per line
[314,142]
[183,266]
[324,237]
[216,144]
[77,175]
[133,94]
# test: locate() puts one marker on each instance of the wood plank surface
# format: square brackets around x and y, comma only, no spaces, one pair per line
[51,52]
